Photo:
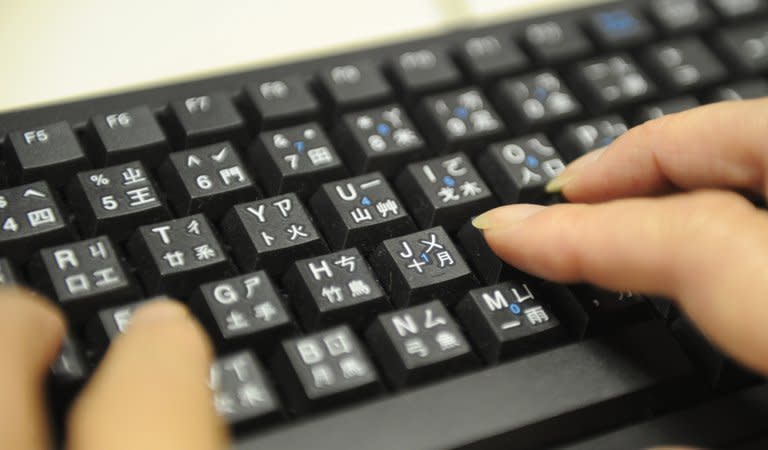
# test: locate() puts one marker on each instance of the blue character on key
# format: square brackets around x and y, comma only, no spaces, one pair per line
[383,129]
[449,181]
[299,146]
[532,161]
[515,308]
[365,201]
[461,112]
[618,22]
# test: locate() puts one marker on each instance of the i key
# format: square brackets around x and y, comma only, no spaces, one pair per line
[174,256]
[206,119]
[355,84]
[580,138]
[206,179]
[360,212]
[421,266]
[279,102]
[335,288]
[418,344]
[124,136]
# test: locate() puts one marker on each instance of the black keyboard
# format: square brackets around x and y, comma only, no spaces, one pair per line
[314,216]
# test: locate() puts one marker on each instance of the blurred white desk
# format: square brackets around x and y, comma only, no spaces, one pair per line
[54,50]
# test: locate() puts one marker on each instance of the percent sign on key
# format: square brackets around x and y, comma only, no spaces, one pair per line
[99,180]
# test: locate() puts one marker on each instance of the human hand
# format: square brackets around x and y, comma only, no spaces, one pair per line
[149,391]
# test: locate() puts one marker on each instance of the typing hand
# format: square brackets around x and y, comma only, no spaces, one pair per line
[149,392]
[655,213]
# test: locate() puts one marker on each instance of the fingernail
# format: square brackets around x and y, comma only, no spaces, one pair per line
[573,170]
[159,311]
[506,215]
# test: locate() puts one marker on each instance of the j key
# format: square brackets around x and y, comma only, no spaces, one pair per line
[325,369]
[536,99]
[613,81]
[666,107]
[356,84]
[108,324]
[244,311]
[174,256]
[125,136]
[381,139]
[279,102]
[51,152]
[243,395]
[69,372]
[207,119]
[418,344]
[444,191]
[740,90]
[84,276]
[8,275]
[335,288]
[463,118]
[116,199]
[738,9]
[30,219]
[422,266]
[271,233]
[424,70]
[507,320]
[206,179]
[487,57]
[487,265]
[520,169]
[746,46]
[581,138]
[620,28]
[685,64]
[681,15]
[360,212]
[555,41]
[297,159]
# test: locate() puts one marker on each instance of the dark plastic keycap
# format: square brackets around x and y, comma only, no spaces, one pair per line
[685,64]
[108,324]
[666,107]
[536,99]
[487,265]
[8,274]
[740,9]
[746,46]
[124,136]
[556,41]
[612,81]
[203,120]
[50,152]
[677,16]
[489,56]
[740,90]
[68,374]
[582,137]
[620,28]
[360,212]
[353,84]
[423,70]
[278,102]
[335,288]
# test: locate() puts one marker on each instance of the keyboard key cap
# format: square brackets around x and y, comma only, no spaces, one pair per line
[68,375]
[244,311]
[424,70]
[51,152]
[243,395]
[206,179]
[740,90]
[620,28]
[739,9]
[114,200]
[174,256]
[325,369]
[422,266]
[203,120]
[108,324]
[489,267]
[335,288]
[8,274]
[556,41]
[507,320]
[278,102]
[297,159]
[666,107]
[444,191]
[463,118]
[359,83]
[613,81]
[418,344]
[487,57]
[536,99]
[581,138]
[124,136]
[685,64]
[360,212]
[746,46]
[271,234]
[30,219]
[677,16]
[519,169]
[382,139]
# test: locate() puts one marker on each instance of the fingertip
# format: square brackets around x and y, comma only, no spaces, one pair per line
[505,216]
[28,318]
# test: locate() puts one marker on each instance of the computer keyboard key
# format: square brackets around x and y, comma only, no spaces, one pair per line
[109,323]
[173,257]
[422,266]
[666,107]
[684,64]
[459,119]
[271,234]
[353,84]
[419,344]
[620,28]
[489,267]
[335,288]
[444,191]
[30,219]
[8,274]
[556,41]
[203,120]
[279,102]
[84,276]
[243,395]
[489,56]
[382,139]
[746,46]
[206,179]
[536,99]
[612,81]
[508,320]
[678,16]
[423,70]
[519,169]
[325,369]
[360,212]
[296,159]
[740,90]
[243,312]
[68,373]
[124,136]
[580,138]
[51,152]
[114,200]
[740,9]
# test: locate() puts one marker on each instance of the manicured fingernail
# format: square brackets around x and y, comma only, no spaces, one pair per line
[505,216]
[161,310]
[573,170]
